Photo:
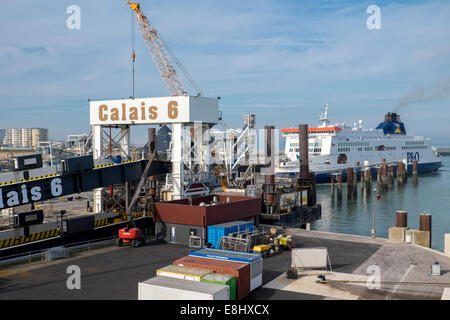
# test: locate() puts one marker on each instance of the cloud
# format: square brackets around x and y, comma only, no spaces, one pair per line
[288,56]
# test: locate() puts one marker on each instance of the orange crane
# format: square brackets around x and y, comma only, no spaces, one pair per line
[162,54]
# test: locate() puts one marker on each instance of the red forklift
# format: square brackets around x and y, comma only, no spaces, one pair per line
[133,235]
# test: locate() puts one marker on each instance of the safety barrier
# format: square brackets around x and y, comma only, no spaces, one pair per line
[5,243]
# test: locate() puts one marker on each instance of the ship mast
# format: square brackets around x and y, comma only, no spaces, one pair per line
[323,118]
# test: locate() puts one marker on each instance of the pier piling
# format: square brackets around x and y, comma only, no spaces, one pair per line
[350,183]
[332,187]
[415,172]
[384,176]
[369,181]
[400,174]
[339,186]
[362,180]
[391,176]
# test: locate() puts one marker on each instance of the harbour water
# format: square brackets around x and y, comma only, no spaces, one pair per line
[431,195]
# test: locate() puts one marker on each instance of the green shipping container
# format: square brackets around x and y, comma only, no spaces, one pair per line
[224,279]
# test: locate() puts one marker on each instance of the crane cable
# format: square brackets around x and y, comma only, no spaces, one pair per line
[133,55]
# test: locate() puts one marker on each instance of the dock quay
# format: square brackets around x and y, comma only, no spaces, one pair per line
[443,151]
[120,270]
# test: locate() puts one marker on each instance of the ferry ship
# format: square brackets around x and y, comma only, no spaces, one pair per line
[334,148]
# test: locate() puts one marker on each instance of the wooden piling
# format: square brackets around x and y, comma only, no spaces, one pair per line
[415,172]
[332,187]
[368,182]
[350,183]
[384,176]
[339,186]
[362,180]
[391,176]
[400,174]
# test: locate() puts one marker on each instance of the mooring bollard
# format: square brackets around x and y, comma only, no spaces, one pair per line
[401,219]
[425,224]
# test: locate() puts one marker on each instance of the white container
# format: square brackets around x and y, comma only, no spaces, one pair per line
[165,288]
[180,272]
[255,282]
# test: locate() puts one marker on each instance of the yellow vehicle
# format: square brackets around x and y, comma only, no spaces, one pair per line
[284,241]
[266,250]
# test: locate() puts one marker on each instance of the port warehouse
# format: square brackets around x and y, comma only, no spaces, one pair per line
[176,220]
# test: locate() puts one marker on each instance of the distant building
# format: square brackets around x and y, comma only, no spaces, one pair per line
[24,137]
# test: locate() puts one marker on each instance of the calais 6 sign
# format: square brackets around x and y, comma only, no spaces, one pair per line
[154,110]
[26,194]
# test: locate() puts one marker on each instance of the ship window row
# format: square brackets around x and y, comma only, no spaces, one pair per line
[414,142]
[321,132]
[315,150]
[343,149]
[413,147]
[368,148]
[353,144]
[390,148]
[311,144]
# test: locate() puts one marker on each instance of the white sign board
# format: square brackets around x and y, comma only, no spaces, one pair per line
[179,109]
[309,257]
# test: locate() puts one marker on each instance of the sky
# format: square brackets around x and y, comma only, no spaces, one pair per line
[281,60]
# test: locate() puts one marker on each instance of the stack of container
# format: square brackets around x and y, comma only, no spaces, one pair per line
[205,274]
[178,272]
[216,232]
[223,279]
[254,260]
[239,270]
[166,288]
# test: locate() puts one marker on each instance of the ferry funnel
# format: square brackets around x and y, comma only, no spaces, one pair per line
[392,124]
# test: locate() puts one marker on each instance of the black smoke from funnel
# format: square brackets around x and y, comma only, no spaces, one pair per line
[421,94]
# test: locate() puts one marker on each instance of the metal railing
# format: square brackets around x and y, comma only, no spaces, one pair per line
[40,254]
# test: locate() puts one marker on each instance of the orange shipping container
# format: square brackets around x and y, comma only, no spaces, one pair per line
[238,269]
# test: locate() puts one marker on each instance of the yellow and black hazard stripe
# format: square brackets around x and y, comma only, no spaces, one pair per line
[5,243]
[138,214]
[101,222]
[30,179]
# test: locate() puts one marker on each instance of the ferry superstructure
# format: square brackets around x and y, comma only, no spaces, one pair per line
[334,148]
